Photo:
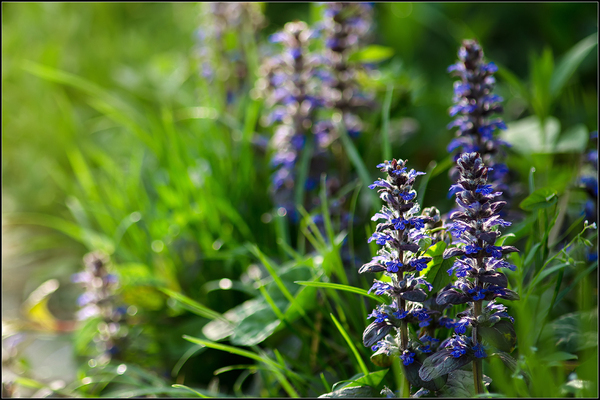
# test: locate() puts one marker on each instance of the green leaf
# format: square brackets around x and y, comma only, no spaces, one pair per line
[194,306]
[569,63]
[245,353]
[461,384]
[441,278]
[372,54]
[350,343]
[354,391]
[539,199]
[573,141]
[527,136]
[437,253]
[345,288]
[197,393]
[502,335]
[372,379]
[559,356]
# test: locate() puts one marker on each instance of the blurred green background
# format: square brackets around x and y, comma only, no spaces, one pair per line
[104,146]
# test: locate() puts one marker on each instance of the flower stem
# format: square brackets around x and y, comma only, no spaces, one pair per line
[477,364]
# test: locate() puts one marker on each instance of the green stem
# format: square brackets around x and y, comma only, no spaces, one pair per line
[477,364]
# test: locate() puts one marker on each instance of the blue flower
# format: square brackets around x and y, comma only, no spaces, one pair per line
[407,357]
[479,351]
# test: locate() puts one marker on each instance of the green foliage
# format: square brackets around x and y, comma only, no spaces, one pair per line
[113,140]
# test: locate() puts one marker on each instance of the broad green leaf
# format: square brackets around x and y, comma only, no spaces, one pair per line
[441,277]
[573,140]
[527,136]
[539,199]
[372,54]
[437,253]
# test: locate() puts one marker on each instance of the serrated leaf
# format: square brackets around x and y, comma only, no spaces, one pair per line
[442,363]
[539,199]
[372,54]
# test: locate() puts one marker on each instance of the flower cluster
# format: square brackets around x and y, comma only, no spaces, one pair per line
[476,265]
[473,229]
[98,305]
[589,182]
[401,259]
[345,27]
[220,53]
[291,87]
[474,106]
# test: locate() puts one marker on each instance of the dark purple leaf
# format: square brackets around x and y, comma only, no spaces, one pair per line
[454,251]
[418,295]
[442,363]
[375,332]
[495,278]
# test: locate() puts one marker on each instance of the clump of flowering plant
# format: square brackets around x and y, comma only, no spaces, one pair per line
[401,259]
[220,48]
[345,27]
[474,108]
[474,228]
[99,306]
[292,92]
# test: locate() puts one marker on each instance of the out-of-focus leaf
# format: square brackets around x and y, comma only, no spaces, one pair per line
[372,54]
[527,137]
[541,198]
[502,335]
[559,356]
[573,140]
[568,332]
[193,305]
[569,63]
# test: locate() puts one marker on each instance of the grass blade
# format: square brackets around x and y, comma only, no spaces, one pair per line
[338,286]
